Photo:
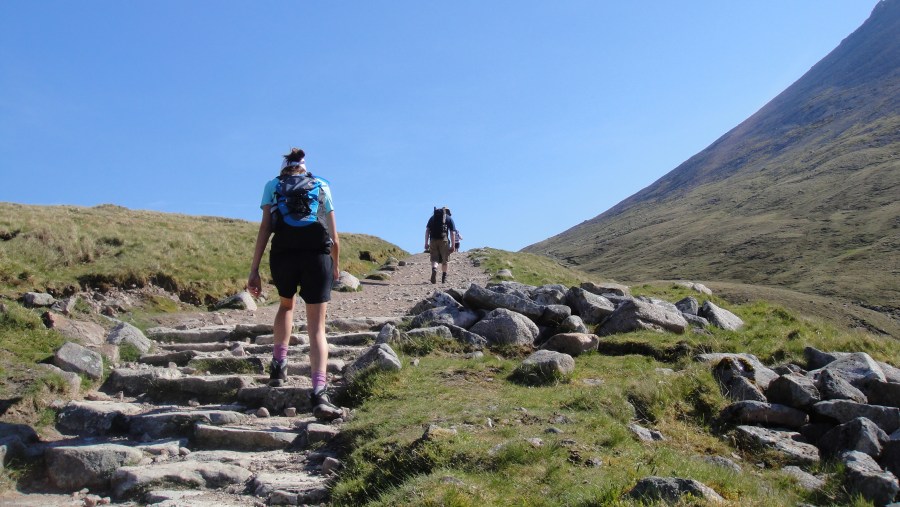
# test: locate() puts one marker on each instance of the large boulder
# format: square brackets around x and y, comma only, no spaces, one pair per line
[604,288]
[883,393]
[129,481]
[833,387]
[549,295]
[346,283]
[592,309]
[545,366]
[734,376]
[451,315]
[887,418]
[787,443]
[72,468]
[124,332]
[93,418]
[634,315]
[86,333]
[240,301]
[720,317]
[572,324]
[37,299]
[794,391]
[479,297]
[756,412]
[77,359]
[859,434]
[505,327]
[437,299]
[748,365]
[381,357]
[857,368]
[863,475]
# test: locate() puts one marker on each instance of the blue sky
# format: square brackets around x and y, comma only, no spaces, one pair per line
[524,117]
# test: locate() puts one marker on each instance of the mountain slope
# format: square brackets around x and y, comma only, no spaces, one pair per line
[804,194]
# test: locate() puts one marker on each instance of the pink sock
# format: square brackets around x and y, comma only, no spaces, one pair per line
[279,353]
[318,381]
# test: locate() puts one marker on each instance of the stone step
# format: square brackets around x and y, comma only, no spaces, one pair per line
[96,418]
[338,351]
[246,439]
[228,364]
[136,381]
[276,399]
[354,324]
[131,482]
[180,423]
[195,335]
[353,339]
[204,389]
[197,347]
[180,358]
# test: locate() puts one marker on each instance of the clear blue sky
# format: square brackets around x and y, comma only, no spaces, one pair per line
[524,117]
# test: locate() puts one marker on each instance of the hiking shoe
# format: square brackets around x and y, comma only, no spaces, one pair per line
[444,277]
[323,409]
[278,373]
[433,276]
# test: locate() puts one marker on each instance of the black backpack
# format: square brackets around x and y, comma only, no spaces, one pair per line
[295,215]
[437,226]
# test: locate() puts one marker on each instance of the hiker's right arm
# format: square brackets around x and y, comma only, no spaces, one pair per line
[427,236]
[254,284]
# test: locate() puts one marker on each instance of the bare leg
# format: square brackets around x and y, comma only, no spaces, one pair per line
[284,322]
[318,346]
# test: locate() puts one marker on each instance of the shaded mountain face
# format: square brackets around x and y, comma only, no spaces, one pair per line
[804,194]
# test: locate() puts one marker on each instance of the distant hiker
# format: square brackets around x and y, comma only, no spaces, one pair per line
[297,208]
[441,241]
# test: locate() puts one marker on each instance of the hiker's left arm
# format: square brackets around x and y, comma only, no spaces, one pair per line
[254,285]
[336,247]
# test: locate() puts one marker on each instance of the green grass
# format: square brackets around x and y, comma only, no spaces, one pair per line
[493,463]
[528,268]
[64,248]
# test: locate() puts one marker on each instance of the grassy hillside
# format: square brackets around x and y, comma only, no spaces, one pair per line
[803,194]
[66,247]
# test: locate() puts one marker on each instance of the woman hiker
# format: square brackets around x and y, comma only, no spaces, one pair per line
[297,208]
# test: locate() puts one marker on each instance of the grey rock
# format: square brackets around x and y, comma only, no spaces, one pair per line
[389,334]
[816,358]
[505,327]
[451,315]
[88,334]
[124,332]
[180,423]
[505,273]
[883,393]
[197,335]
[430,332]
[133,381]
[723,462]
[634,315]
[37,299]
[607,288]
[742,389]
[886,418]
[645,435]
[572,324]
[437,299]
[573,344]
[794,391]
[72,468]
[467,337]
[672,490]
[555,314]
[251,330]
[350,324]
[11,447]
[546,365]
[695,320]
[72,380]
[549,295]
[240,301]
[756,412]
[479,297]
[592,309]
[346,283]
[688,305]
[805,480]
[77,359]
[180,358]
[891,372]
[316,433]
[129,481]
[787,443]
[381,357]
[857,368]
[748,366]
[95,418]
[208,389]
[863,475]
[860,434]
[64,306]
[890,456]
[242,439]
[833,387]
[699,287]
[720,317]
[331,465]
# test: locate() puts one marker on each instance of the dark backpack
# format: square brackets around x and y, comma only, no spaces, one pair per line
[437,226]
[295,215]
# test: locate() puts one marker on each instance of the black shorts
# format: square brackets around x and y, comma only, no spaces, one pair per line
[312,271]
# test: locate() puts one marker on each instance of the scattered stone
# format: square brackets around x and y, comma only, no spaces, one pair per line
[857,368]
[688,305]
[572,324]
[573,344]
[389,334]
[545,366]
[320,433]
[435,432]
[886,418]
[724,462]
[805,480]
[37,299]
[331,465]
[89,334]
[794,391]
[788,443]
[290,412]
[720,317]
[699,287]
[592,309]
[77,359]
[346,283]
[833,387]
[124,332]
[71,379]
[262,412]
[672,490]
[129,481]
[380,356]
[480,297]
[72,468]
[645,435]
[746,365]
[860,434]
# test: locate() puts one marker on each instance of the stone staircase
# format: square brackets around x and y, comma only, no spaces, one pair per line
[194,423]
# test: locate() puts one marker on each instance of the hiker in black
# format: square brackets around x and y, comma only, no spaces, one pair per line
[440,241]
[298,210]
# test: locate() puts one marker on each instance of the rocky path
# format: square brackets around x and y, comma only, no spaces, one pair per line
[193,422]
